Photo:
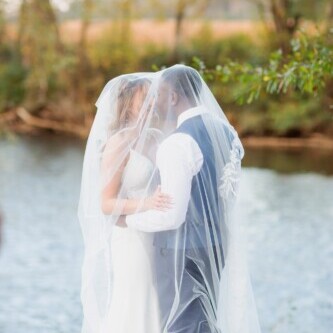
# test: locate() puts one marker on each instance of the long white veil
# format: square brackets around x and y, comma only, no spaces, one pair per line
[146,114]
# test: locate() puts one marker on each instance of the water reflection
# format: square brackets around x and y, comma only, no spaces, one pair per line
[287,216]
[294,160]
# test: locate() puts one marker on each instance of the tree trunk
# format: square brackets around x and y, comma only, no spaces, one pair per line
[83,69]
[22,22]
[179,18]
[198,6]
[126,14]
[2,22]
[330,17]
[285,22]
[40,47]
[47,14]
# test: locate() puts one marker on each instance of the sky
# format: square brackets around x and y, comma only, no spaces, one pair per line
[13,5]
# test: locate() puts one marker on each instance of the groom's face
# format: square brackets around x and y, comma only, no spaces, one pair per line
[163,101]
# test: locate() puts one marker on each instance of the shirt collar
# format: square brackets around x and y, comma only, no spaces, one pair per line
[189,113]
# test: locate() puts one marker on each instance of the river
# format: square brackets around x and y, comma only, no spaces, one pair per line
[285,205]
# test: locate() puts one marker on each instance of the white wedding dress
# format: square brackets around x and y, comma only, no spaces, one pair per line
[134,301]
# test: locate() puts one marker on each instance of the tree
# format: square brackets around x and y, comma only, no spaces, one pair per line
[307,69]
[329,24]
[179,10]
[83,66]
[286,16]
[2,22]
[124,11]
[40,47]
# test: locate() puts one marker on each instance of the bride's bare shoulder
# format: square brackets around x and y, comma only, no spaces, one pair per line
[117,142]
[116,149]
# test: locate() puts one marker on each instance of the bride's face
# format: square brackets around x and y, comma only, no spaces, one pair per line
[136,111]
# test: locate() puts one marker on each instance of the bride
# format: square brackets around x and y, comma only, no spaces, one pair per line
[132,304]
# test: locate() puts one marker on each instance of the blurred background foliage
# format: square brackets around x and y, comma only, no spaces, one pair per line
[269,62]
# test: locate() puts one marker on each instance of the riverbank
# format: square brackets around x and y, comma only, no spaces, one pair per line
[21,122]
[316,140]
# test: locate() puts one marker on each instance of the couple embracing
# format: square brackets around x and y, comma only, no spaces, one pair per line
[163,250]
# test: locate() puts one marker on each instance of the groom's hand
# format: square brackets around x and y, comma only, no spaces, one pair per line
[158,201]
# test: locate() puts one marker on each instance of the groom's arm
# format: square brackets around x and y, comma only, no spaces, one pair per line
[178,159]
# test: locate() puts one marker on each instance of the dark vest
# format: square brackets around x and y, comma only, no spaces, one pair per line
[202,226]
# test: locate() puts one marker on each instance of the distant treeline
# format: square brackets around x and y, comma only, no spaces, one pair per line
[48,83]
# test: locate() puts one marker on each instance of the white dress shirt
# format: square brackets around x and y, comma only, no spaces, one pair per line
[178,159]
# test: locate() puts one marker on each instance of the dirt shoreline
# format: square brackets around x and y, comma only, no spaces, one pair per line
[20,121]
[317,140]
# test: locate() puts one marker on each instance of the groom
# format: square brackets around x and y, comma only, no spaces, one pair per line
[188,237]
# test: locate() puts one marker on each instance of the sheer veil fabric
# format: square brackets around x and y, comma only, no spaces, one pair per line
[159,267]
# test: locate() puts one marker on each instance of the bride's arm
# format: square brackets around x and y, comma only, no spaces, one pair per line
[116,206]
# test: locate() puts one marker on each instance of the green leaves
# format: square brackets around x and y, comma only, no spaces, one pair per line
[306,69]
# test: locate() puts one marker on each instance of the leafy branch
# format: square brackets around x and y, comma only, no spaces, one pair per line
[306,69]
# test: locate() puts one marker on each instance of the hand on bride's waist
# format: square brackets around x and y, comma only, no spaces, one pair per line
[121,222]
[158,201]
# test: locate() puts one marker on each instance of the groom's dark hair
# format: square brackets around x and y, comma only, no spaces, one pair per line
[186,81]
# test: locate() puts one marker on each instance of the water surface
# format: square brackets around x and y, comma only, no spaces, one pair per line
[285,207]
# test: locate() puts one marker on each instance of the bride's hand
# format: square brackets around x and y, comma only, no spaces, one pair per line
[121,222]
[158,201]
